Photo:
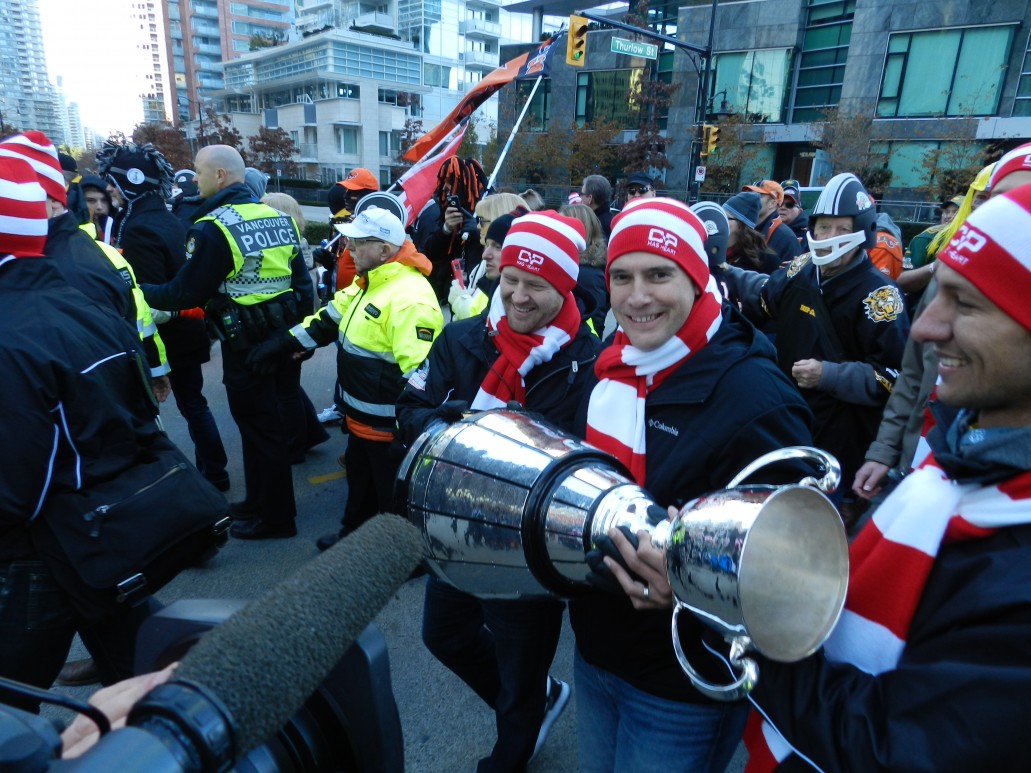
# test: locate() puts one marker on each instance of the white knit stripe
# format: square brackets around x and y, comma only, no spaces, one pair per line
[607,413]
[542,245]
[484,401]
[990,508]
[926,490]
[923,450]
[39,166]
[867,645]
[650,363]
[779,748]
[23,226]
[556,225]
[554,339]
[26,191]
[667,221]
[1007,224]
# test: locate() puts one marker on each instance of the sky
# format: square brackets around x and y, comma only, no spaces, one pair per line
[89,46]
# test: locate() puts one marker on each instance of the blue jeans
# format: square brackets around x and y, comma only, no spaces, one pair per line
[502,650]
[621,728]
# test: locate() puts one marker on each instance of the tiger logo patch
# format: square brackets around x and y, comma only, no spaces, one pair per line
[884,304]
[797,264]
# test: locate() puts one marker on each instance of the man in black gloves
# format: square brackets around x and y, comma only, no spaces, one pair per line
[503,649]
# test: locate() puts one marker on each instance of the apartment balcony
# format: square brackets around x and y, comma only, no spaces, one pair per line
[480,60]
[204,10]
[308,152]
[382,23]
[483,3]
[478,29]
[208,30]
[209,49]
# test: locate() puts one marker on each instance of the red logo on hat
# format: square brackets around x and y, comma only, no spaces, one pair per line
[663,240]
[529,261]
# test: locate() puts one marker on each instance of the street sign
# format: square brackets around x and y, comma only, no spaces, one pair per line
[699,174]
[633,48]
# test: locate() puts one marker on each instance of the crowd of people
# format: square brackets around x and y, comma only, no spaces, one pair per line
[684,341]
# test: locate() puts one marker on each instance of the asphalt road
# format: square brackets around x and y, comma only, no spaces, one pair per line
[446,727]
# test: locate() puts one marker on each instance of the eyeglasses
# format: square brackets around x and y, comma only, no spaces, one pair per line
[636,190]
[483,221]
[789,205]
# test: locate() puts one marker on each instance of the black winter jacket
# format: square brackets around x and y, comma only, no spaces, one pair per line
[461,357]
[75,403]
[86,268]
[723,408]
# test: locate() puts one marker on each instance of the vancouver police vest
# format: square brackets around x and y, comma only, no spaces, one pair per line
[263,242]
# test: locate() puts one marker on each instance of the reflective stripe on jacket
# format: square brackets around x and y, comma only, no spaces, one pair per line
[263,242]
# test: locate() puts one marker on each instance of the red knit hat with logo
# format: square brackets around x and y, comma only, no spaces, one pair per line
[1017,160]
[547,244]
[992,251]
[663,227]
[23,210]
[40,153]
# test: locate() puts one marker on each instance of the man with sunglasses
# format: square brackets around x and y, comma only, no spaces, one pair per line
[792,213]
[639,186]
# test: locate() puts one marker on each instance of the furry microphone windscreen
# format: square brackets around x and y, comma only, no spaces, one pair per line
[268,658]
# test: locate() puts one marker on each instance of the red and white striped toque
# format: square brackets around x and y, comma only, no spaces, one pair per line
[992,251]
[40,153]
[663,227]
[23,210]
[547,244]
[1017,160]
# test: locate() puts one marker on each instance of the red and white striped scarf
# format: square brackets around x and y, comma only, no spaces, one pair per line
[521,352]
[890,561]
[616,420]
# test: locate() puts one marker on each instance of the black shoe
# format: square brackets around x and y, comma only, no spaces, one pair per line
[326,541]
[222,484]
[257,528]
[79,672]
[243,511]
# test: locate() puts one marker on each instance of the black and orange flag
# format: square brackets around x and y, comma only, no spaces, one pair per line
[532,64]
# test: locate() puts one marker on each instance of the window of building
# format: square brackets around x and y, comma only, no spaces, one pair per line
[1022,99]
[915,163]
[945,72]
[436,75]
[539,112]
[389,144]
[821,64]
[607,94]
[347,140]
[754,83]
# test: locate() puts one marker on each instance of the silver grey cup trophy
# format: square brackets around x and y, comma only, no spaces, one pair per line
[509,506]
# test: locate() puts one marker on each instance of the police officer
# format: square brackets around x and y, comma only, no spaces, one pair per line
[239,258]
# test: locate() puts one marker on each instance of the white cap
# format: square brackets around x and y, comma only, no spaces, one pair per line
[375,223]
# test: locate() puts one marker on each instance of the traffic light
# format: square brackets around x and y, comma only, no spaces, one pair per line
[710,136]
[576,42]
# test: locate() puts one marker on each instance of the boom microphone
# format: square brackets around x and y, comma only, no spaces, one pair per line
[246,678]
[266,660]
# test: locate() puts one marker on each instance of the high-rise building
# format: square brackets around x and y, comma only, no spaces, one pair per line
[148,26]
[27,98]
[202,34]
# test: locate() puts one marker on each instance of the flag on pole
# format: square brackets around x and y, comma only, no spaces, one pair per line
[419,182]
[529,65]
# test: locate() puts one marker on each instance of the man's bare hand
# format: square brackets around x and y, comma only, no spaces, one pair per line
[115,702]
[807,373]
[647,562]
[868,480]
[161,387]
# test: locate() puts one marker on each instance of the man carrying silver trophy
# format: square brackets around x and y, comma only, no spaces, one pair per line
[686,395]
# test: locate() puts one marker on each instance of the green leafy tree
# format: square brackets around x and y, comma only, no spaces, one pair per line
[845,138]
